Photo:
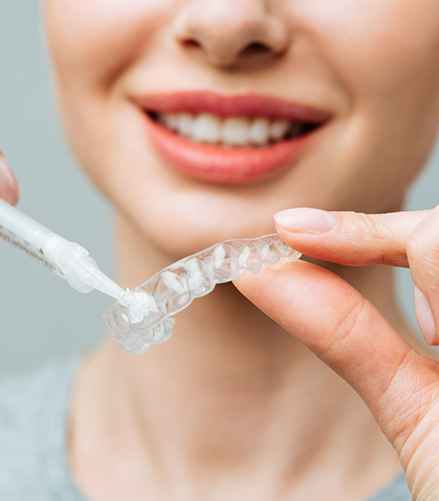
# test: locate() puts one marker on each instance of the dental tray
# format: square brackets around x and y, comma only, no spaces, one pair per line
[142,317]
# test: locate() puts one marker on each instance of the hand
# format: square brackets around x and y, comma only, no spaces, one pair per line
[8,182]
[400,386]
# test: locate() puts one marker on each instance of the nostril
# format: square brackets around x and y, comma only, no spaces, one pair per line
[255,49]
[191,44]
[220,52]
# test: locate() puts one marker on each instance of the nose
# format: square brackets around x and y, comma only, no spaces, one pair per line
[228,32]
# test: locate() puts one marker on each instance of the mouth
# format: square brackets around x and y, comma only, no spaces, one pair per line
[243,131]
[232,140]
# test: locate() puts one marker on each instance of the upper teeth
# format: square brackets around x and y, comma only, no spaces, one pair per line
[231,131]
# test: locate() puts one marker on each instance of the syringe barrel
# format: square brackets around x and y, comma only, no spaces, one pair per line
[32,233]
[69,259]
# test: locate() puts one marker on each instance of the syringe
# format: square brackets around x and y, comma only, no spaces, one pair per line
[67,259]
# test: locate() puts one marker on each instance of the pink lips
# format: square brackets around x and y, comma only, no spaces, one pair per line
[219,164]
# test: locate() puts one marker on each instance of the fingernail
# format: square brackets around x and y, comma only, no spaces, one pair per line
[5,169]
[424,315]
[8,184]
[306,220]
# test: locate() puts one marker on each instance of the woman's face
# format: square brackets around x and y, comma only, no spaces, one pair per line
[199,119]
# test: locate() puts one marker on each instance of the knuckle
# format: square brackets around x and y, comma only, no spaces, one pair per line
[363,223]
[345,327]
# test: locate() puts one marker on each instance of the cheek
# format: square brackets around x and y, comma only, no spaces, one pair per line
[93,41]
[93,44]
[385,54]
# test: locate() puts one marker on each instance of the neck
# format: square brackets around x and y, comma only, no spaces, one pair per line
[232,392]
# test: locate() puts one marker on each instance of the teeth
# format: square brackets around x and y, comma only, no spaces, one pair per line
[235,131]
[279,128]
[231,131]
[184,124]
[259,129]
[170,120]
[207,128]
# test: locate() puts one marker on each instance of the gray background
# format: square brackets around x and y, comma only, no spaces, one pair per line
[41,316]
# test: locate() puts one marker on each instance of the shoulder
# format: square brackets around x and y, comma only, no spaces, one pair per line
[33,411]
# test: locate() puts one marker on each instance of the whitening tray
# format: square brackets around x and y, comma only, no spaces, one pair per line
[141,317]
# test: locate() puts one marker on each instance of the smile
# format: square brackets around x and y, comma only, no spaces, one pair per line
[232,131]
[231,140]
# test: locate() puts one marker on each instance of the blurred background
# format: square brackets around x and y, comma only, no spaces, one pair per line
[41,315]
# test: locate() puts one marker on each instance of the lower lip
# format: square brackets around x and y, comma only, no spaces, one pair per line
[227,165]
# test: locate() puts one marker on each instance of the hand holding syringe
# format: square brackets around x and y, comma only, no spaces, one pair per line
[68,259]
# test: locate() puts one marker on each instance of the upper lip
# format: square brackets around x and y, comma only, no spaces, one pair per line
[237,105]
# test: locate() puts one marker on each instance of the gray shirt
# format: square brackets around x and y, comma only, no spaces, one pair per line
[33,435]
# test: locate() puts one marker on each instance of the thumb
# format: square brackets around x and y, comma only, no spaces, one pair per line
[334,320]
[347,333]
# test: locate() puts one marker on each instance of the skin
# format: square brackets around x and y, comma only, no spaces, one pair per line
[398,384]
[8,183]
[232,407]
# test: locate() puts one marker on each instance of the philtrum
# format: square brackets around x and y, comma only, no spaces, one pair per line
[141,317]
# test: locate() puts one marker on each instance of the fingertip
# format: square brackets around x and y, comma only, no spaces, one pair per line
[9,190]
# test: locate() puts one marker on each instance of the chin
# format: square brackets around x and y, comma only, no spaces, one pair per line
[178,230]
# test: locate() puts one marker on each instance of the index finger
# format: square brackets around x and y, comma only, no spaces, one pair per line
[349,238]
